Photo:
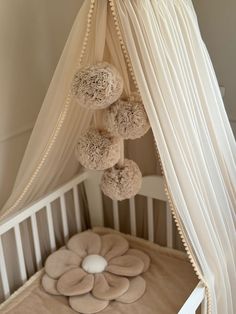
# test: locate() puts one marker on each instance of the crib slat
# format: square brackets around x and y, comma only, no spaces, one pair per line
[51,228]
[3,272]
[150,219]
[116,215]
[169,227]
[20,253]
[64,218]
[37,249]
[194,300]
[132,216]
[77,208]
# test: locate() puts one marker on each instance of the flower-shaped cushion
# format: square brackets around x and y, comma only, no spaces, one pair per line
[93,270]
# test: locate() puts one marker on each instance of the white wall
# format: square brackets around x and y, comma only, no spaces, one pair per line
[32,36]
[217,19]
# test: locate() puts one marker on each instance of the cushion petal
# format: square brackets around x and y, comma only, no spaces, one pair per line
[87,304]
[113,245]
[109,287]
[50,285]
[143,256]
[60,262]
[85,243]
[136,290]
[75,282]
[126,265]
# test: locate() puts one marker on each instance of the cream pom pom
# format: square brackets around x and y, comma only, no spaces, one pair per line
[98,150]
[122,182]
[97,86]
[127,119]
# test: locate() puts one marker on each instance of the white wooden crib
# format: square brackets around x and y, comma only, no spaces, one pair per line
[152,188]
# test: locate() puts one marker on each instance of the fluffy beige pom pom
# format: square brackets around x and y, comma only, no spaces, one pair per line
[97,86]
[98,150]
[127,119]
[122,182]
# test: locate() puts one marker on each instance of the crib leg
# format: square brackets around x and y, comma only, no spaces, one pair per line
[94,197]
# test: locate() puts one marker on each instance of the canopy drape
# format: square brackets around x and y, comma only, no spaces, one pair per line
[180,92]
[193,134]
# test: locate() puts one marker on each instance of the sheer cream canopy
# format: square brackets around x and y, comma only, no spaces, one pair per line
[158,43]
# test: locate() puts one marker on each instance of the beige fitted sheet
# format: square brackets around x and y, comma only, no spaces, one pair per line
[170,280]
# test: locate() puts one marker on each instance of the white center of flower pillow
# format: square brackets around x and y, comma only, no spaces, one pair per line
[94,264]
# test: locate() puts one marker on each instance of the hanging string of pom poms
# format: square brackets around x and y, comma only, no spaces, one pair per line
[100,86]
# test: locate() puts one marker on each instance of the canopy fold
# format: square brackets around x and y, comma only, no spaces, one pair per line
[195,142]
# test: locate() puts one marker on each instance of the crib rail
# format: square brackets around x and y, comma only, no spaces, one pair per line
[13,223]
[194,301]
[24,214]
[152,188]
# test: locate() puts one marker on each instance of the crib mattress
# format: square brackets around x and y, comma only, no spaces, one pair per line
[170,280]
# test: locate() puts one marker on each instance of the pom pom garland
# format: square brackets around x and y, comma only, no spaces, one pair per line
[100,86]
[98,150]
[122,181]
[127,119]
[97,86]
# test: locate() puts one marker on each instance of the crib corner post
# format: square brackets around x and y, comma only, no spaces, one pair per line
[94,197]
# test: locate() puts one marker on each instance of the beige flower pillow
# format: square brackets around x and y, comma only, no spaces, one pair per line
[93,270]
